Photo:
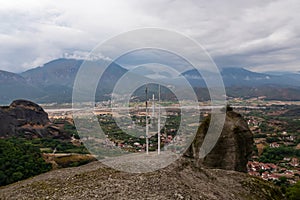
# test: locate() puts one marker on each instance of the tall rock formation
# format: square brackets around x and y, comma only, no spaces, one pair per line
[232,149]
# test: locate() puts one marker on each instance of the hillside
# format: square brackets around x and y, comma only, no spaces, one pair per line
[52,82]
[56,79]
[242,83]
[243,77]
[21,88]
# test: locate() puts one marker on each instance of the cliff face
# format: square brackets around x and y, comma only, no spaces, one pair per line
[23,118]
[232,149]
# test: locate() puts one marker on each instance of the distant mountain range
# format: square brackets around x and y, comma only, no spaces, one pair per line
[53,82]
[241,77]
[243,83]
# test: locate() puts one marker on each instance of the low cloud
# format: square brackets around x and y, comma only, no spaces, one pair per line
[260,35]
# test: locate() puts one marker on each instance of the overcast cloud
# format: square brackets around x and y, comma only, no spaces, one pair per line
[259,35]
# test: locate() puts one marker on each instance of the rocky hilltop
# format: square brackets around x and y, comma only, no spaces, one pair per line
[24,118]
[180,180]
[187,178]
[232,149]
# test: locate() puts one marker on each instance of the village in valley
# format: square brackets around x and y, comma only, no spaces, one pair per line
[276,129]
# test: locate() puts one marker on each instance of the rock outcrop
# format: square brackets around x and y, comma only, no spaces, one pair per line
[177,181]
[232,149]
[24,118]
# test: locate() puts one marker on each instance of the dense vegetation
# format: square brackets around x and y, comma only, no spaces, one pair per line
[274,155]
[293,192]
[19,160]
[49,144]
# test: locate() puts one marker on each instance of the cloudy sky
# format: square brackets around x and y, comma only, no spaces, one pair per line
[258,35]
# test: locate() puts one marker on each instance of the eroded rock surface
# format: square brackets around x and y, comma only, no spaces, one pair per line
[232,149]
[24,118]
[181,180]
